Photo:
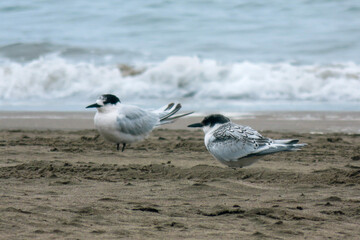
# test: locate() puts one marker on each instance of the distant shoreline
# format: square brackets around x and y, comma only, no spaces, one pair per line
[302,122]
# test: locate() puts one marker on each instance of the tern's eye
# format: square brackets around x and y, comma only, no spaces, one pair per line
[205,123]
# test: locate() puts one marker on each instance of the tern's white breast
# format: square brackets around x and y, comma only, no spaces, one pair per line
[107,125]
[209,134]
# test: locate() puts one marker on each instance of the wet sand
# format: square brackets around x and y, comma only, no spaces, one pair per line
[70,184]
[301,122]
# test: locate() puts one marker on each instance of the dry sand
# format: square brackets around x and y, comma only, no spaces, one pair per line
[62,184]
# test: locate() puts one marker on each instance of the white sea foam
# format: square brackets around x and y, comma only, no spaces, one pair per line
[54,77]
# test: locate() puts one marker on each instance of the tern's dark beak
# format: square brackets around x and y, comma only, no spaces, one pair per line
[95,105]
[195,125]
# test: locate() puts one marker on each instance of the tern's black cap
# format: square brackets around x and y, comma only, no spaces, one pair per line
[213,119]
[109,98]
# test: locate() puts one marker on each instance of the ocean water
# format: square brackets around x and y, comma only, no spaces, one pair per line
[211,55]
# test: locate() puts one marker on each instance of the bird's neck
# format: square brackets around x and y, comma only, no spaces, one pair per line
[208,129]
[108,109]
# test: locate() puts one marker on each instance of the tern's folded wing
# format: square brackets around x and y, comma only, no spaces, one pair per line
[135,121]
[231,142]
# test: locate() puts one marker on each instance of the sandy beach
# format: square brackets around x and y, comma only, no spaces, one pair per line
[60,180]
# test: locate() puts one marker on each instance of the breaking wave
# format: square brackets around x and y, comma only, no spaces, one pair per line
[176,77]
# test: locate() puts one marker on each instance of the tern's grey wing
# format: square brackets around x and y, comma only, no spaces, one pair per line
[231,142]
[135,121]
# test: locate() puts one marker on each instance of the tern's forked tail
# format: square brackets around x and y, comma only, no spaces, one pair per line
[167,112]
[280,146]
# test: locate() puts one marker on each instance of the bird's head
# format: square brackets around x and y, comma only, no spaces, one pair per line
[210,121]
[105,101]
